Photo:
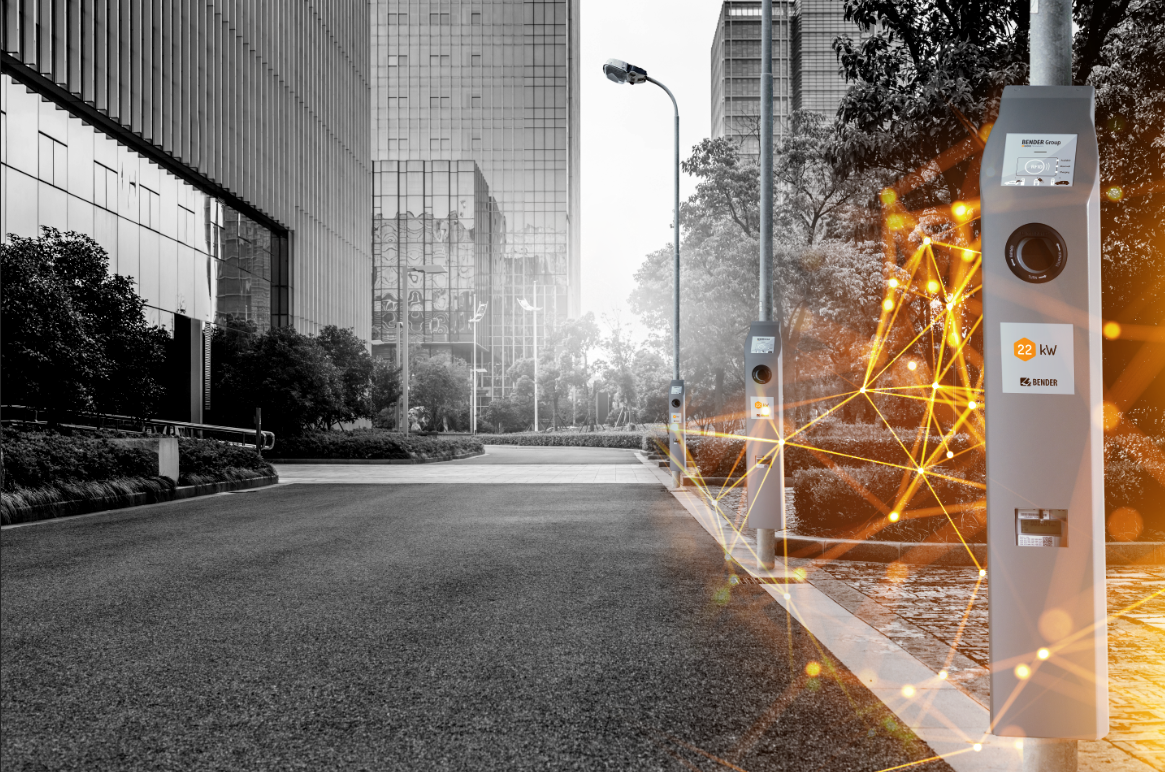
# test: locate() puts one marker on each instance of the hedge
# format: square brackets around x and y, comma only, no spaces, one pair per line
[373,444]
[47,474]
[627,440]
[828,505]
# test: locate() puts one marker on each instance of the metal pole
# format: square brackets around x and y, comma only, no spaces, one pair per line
[405,374]
[1051,43]
[259,430]
[473,382]
[535,359]
[766,553]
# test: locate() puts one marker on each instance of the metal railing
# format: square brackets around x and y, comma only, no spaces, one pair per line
[73,419]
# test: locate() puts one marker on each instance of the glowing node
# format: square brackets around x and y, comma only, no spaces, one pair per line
[908,691]
[862,390]
[932,286]
[982,572]
[888,304]
[953,338]
[959,209]
[968,255]
[813,669]
[1022,672]
[893,282]
[921,470]
[1112,330]
[1111,416]
[788,596]
[934,386]
[972,404]
[888,196]
[942,674]
[926,239]
[1043,653]
[1114,193]
[894,517]
[912,365]
[978,747]
[950,306]
[950,454]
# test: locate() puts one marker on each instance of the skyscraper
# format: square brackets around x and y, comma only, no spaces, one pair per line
[736,67]
[219,154]
[806,73]
[475,167]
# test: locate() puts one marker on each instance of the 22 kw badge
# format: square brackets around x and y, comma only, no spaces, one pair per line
[761,408]
[1037,358]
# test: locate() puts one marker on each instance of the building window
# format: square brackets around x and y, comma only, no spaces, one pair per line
[104,186]
[149,208]
[440,18]
[439,103]
[54,161]
[185,225]
[475,102]
[475,19]
[439,60]
[475,60]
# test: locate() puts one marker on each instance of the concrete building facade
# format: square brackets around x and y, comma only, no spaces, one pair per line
[475,139]
[219,152]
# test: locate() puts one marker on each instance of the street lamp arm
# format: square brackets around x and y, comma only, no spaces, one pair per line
[676,256]
[669,93]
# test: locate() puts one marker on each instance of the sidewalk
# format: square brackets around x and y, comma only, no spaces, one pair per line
[900,627]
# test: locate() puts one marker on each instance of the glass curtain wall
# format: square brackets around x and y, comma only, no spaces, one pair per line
[484,83]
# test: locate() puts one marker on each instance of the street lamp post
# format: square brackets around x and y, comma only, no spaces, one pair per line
[527,307]
[622,72]
[477,317]
[403,342]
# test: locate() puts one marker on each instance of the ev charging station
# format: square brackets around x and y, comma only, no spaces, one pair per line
[1040,208]
[762,351]
[677,421]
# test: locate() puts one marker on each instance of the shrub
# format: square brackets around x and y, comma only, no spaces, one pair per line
[373,444]
[627,440]
[827,504]
[203,461]
[77,498]
[34,459]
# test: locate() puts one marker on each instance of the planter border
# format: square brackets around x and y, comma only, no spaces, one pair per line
[941,554]
[46,512]
[431,460]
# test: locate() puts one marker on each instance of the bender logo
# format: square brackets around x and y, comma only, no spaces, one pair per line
[1037,358]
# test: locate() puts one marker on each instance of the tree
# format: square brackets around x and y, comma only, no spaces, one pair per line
[385,392]
[576,339]
[350,356]
[75,336]
[287,374]
[441,387]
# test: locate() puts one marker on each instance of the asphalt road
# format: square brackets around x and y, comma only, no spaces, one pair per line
[368,627]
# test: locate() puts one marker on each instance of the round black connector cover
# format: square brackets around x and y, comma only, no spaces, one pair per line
[675,402]
[1036,253]
[762,374]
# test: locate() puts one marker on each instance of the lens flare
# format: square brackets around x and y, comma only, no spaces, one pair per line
[932,286]
[894,517]
[887,305]
[1043,653]
[1112,330]
[912,365]
[1022,672]
[908,691]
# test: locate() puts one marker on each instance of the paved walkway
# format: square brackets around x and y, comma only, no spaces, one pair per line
[939,616]
[501,465]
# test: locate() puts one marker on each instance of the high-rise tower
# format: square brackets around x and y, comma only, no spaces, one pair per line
[475,166]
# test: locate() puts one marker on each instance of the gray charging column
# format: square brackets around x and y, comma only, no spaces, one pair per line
[677,421]
[1042,358]
[762,351]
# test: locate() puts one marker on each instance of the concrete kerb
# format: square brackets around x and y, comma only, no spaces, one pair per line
[952,722]
[376,461]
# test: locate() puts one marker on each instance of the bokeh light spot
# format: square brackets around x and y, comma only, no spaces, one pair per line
[1112,330]
[1055,625]
[942,674]
[912,365]
[1022,672]
[894,517]
[932,286]
[1043,653]
[1114,193]
[1111,415]
[888,196]
[813,669]
[908,691]
[968,255]
[887,305]
[1125,524]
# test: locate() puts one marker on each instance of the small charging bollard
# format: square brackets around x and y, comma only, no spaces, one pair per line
[1040,199]
[762,351]
[677,420]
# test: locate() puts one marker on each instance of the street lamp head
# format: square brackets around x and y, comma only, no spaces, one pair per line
[526,306]
[622,72]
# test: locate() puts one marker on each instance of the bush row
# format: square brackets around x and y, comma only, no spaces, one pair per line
[373,444]
[34,459]
[629,440]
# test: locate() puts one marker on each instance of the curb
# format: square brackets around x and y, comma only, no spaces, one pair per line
[377,461]
[92,506]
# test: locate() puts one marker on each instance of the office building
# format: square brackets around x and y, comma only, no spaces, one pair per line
[806,73]
[219,153]
[736,67]
[475,171]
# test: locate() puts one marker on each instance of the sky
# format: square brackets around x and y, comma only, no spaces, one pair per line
[627,136]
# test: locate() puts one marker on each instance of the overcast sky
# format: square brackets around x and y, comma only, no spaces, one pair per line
[627,134]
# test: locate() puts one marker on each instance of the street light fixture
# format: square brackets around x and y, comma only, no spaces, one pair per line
[402,352]
[619,71]
[473,395]
[527,307]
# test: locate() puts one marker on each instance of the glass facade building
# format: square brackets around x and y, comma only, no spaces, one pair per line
[475,169]
[806,73]
[218,154]
[736,66]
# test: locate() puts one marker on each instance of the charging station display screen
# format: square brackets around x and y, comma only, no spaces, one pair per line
[1040,527]
[1039,160]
